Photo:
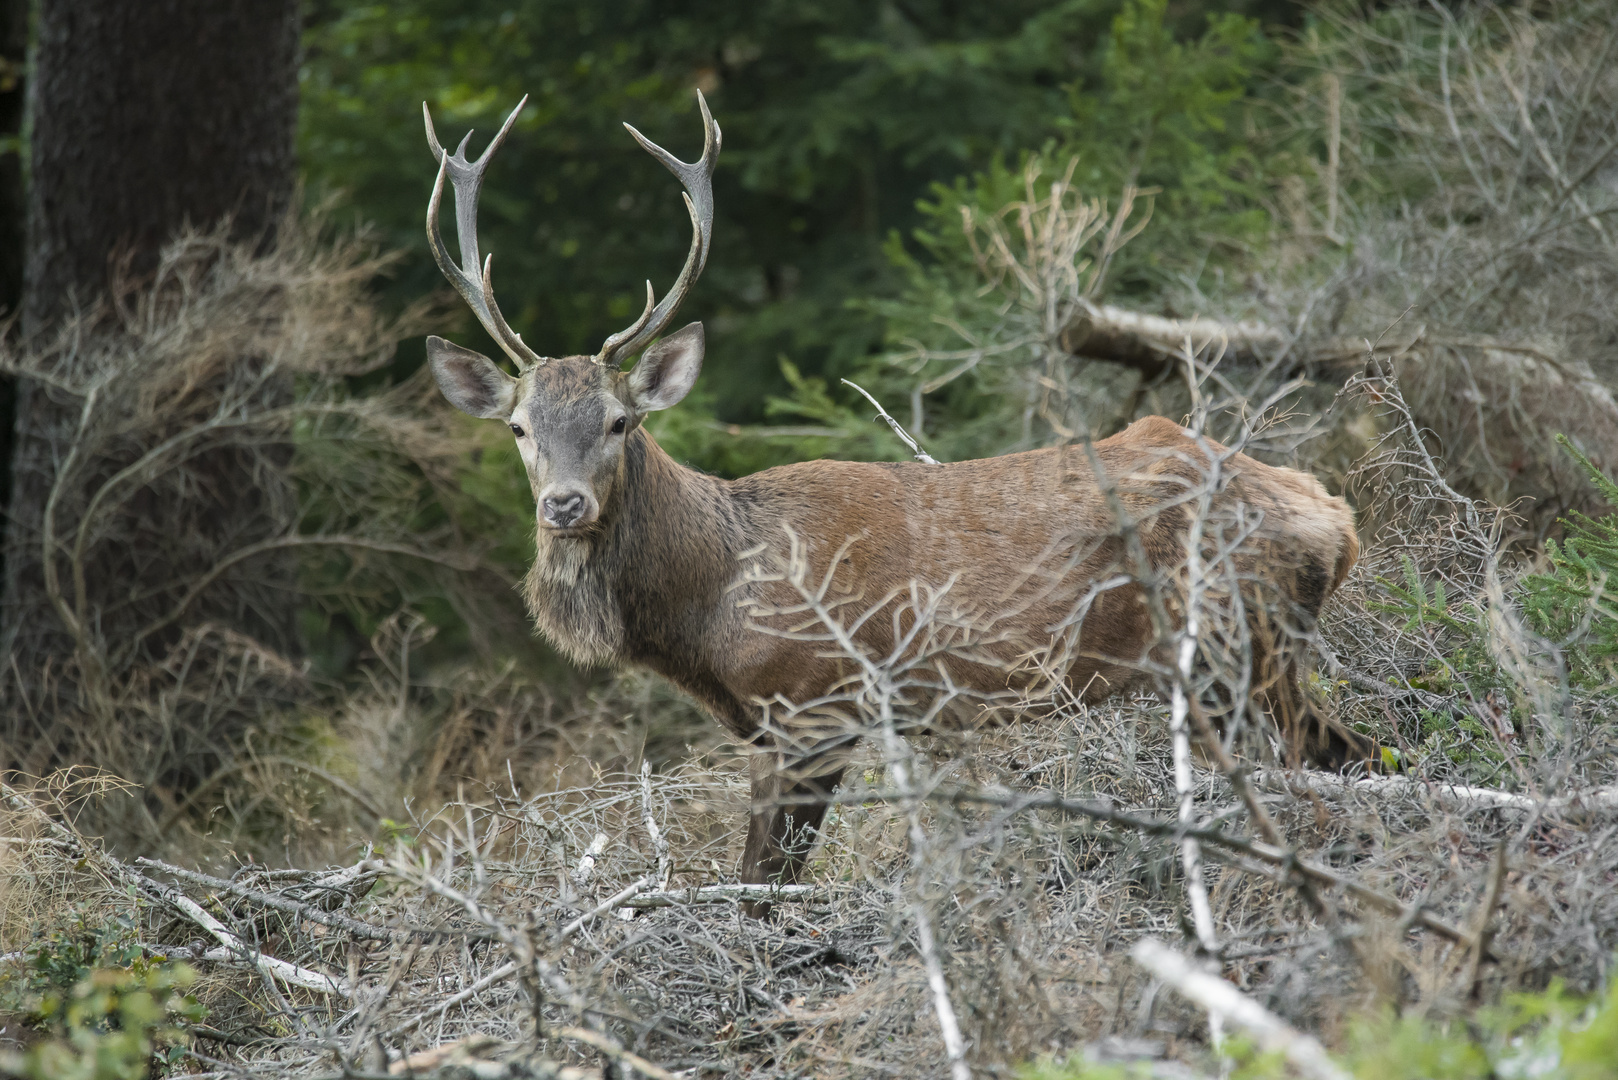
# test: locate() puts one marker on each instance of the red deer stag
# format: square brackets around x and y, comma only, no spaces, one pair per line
[640,560]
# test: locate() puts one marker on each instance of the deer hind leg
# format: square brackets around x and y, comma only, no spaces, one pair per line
[1309,729]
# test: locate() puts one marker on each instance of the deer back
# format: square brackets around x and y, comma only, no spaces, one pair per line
[1025,551]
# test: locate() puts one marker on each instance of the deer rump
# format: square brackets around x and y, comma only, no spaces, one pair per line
[975,586]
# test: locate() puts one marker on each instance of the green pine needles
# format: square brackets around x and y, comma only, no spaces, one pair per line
[1575,604]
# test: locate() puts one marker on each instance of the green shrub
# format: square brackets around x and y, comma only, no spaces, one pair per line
[1575,604]
[106,1011]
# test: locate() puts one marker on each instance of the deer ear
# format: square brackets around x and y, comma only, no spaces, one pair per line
[667,370]
[471,381]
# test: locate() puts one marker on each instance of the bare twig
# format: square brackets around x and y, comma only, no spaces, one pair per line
[725,894]
[660,843]
[1454,796]
[1281,858]
[269,965]
[1220,998]
[904,436]
[617,1053]
[587,862]
[312,912]
[616,900]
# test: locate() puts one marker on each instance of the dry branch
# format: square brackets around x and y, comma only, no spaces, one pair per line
[269,965]
[611,903]
[617,1053]
[178,901]
[898,430]
[1449,795]
[1286,862]
[312,912]
[1222,999]
[1153,344]
[726,894]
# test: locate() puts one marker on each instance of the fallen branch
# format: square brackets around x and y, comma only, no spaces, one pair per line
[660,842]
[269,965]
[504,971]
[280,969]
[523,945]
[1454,796]
[1152,344]
[617,900]
[1225,1001]
[507,970]
[723,894]
[302,910]
[611,1049]
[587,862]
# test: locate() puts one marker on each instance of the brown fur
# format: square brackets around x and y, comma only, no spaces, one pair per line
[662,577]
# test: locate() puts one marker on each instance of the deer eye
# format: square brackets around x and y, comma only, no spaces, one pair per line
[618,426]
[516,429]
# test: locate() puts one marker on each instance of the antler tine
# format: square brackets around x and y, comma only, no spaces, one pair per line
[697,179]
[474,286]
[634,328]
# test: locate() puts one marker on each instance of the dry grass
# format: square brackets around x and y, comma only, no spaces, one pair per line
[216,473]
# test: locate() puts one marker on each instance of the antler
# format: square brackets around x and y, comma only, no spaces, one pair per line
[475,288]
[697,179]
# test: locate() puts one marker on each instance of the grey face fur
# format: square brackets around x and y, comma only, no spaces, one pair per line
[570,417]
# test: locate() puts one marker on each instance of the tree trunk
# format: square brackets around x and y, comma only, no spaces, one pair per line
[13,211]
[147,118]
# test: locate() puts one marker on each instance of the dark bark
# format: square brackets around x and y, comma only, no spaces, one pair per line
[13,64]
[13,210]
[147,118]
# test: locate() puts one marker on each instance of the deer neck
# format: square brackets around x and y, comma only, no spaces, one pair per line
[648,587]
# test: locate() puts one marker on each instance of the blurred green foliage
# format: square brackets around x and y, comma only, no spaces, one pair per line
[838,116]
[855,134]
[1575,603]
[103,1009]
[1550,1035]
[1173,117]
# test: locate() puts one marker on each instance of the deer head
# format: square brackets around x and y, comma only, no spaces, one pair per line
[570,415]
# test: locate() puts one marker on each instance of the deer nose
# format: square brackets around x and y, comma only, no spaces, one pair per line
[566,509]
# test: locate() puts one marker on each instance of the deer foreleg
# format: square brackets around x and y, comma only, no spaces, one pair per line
[789,804]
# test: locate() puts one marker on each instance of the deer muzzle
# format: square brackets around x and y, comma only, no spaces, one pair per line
[568,509]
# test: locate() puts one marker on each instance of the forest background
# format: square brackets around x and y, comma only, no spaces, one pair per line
[279,624]
[854,135]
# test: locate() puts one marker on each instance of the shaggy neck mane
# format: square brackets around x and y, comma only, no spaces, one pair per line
[647,586]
